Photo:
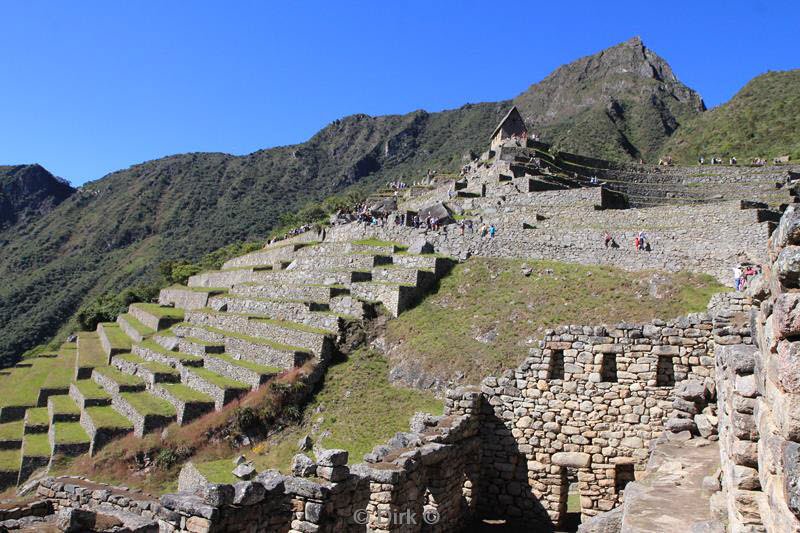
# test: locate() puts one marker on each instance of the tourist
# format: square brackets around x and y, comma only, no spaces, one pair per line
[484,229]
[636,242]
[608,238]
[461,226]
[492,231]
[737,276]
[642,240]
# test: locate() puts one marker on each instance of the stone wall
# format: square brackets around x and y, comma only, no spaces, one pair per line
[584,407]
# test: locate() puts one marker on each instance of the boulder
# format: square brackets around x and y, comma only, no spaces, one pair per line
[244,471]
[791,488]
[786,315]
[704,426]
[677,425]
[438,210]
[608,522]
[305,443]
[788,230]
[303,466]
[787,267]
[248,493]
[421,246]
[691,390]
[71,520]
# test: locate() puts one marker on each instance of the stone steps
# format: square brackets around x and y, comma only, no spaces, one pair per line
[288,333]
[243,347]
[90,354]
[309,313]
[313,293]
[187,297]
[359,261]
[155,316]
[151,372]
[133,328]
[103,424]
[87,393]
[62,408]
[152,351]
[113,339]
[188,403]
[115,382]
[146,411]
[221,389]
[248,372]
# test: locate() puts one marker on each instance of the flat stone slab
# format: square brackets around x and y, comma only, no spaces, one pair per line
[671,496]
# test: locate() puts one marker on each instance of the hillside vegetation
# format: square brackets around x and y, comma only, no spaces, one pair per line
[486,314]
[761,120]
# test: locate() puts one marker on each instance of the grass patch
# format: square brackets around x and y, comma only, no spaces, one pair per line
[140,328]
[255,367]
[63,404]
[120,378]
[216,379]
[489,299]
[91,390]
[37,417]
[116,337]
[107,417]
[90,351]
[36,445]
[146,404]
[218,471]
[160,311]
[11,430]
[10,460]
[185,393]
[359,407]
[70,433]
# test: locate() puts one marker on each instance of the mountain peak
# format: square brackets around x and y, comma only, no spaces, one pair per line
[29,190]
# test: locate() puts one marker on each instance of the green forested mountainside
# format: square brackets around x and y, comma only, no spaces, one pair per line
[619,104]
[115,231]
[27,191]
[761,120]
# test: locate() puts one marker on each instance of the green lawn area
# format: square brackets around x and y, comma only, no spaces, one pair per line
[218,471]
[147,404]
[216,379]
[116,336]
[185,393]
[491,300]
[160,311]
[11,430]
[70,433]
[37,417]
[61,369]
[21,385]
[91,390]
[36,445]
[358,406]
[107,417]
[255,367]
[10,460]
[90,351]
[143,330]
[118,377]
[63,404]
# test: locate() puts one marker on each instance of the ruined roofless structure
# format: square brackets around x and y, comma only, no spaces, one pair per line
[512,125]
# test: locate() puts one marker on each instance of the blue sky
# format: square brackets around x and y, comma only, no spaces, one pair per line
[92,87]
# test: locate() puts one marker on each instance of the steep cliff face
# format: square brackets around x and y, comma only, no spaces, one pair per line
[27,191]
[621,103]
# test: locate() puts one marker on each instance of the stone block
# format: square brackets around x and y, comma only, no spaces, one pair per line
[787,267]
[791,477]
[691,390]
[745,478]
[784,366]
[572,459]
[303,466]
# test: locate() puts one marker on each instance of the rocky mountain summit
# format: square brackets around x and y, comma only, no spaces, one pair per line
[621,103]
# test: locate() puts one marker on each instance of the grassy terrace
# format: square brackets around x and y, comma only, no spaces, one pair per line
[255,340]
[178,356]
[216,379]
[185,393]
[140,328]
[116,336]
[146,404]
[353,388]
[64,405]
[118,377]
[37,417]
[90,351]
[21,385]
[149,365]
[201,342]
[107,417]
[159,311]
[209,290]
[10,460]
[36,445]
[11,430]
[255,367]
[378,242]
[295,326]
[485,314]
[218,471]
[91,390]
[70,433]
